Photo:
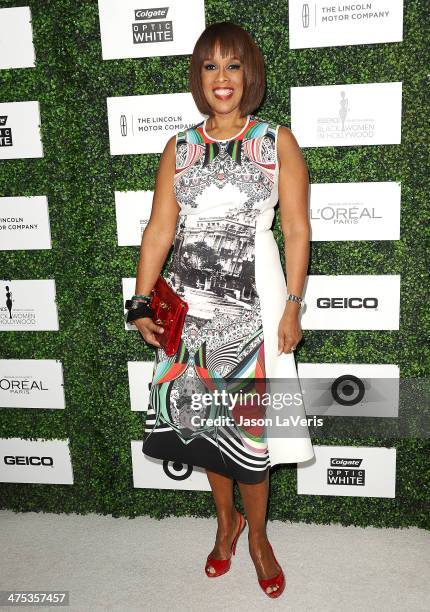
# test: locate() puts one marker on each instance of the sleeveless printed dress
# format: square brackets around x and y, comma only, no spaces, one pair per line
[226,265]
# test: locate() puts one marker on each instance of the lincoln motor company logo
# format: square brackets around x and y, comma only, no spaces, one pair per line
[146,31]
[123,125]
[356,12]
[136,123]
[5,133]
[305,15]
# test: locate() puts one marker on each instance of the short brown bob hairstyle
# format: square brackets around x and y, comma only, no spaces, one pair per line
[234,40]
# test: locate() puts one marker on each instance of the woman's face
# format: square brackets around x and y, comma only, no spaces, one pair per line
[222,82]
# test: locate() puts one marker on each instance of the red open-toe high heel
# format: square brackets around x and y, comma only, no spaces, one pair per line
[278,580]
[221,566]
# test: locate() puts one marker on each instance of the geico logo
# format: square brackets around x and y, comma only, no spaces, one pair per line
[345,461]
[353,302]
[21,460]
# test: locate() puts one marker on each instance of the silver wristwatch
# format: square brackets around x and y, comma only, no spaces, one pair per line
[296,298]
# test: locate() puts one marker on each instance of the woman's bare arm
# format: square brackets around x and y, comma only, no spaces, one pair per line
[159,233]
[293,206]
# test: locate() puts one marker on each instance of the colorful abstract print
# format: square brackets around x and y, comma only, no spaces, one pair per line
[221,188]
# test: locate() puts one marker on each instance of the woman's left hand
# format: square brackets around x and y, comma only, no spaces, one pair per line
[289,329]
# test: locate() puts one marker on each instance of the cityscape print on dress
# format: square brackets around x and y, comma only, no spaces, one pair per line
[221,187]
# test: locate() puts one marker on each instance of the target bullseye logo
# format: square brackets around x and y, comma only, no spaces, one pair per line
[177,470]
[348,390]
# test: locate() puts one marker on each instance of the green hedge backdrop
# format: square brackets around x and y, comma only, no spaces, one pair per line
[79,176]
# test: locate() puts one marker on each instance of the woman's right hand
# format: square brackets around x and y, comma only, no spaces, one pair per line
[148,329]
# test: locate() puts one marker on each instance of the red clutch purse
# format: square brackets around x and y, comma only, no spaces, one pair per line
[169,311]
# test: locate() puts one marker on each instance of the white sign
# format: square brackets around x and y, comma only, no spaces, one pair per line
[350,389]
[28,305]
[20,130]
[356,301]
[133,209]
[16,38]
[136,28]
[149,473]
[31,383]
[139,379]
[128,289]
[355,211]
[41,461]
[24,223]
[328,24]
[144,124]
[347,115]
[357,471]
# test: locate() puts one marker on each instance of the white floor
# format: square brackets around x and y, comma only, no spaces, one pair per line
[144,564]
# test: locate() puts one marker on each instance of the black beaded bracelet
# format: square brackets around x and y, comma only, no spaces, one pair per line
[143,310]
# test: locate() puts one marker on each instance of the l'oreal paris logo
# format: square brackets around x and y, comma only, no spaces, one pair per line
[18,385]
[344,213]
[347,302]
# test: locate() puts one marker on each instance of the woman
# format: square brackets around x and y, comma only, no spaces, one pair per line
[216,188]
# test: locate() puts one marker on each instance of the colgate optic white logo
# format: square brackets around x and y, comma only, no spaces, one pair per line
[346,462]
[344,475]
[5,133]
[160,13]
[152,31]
